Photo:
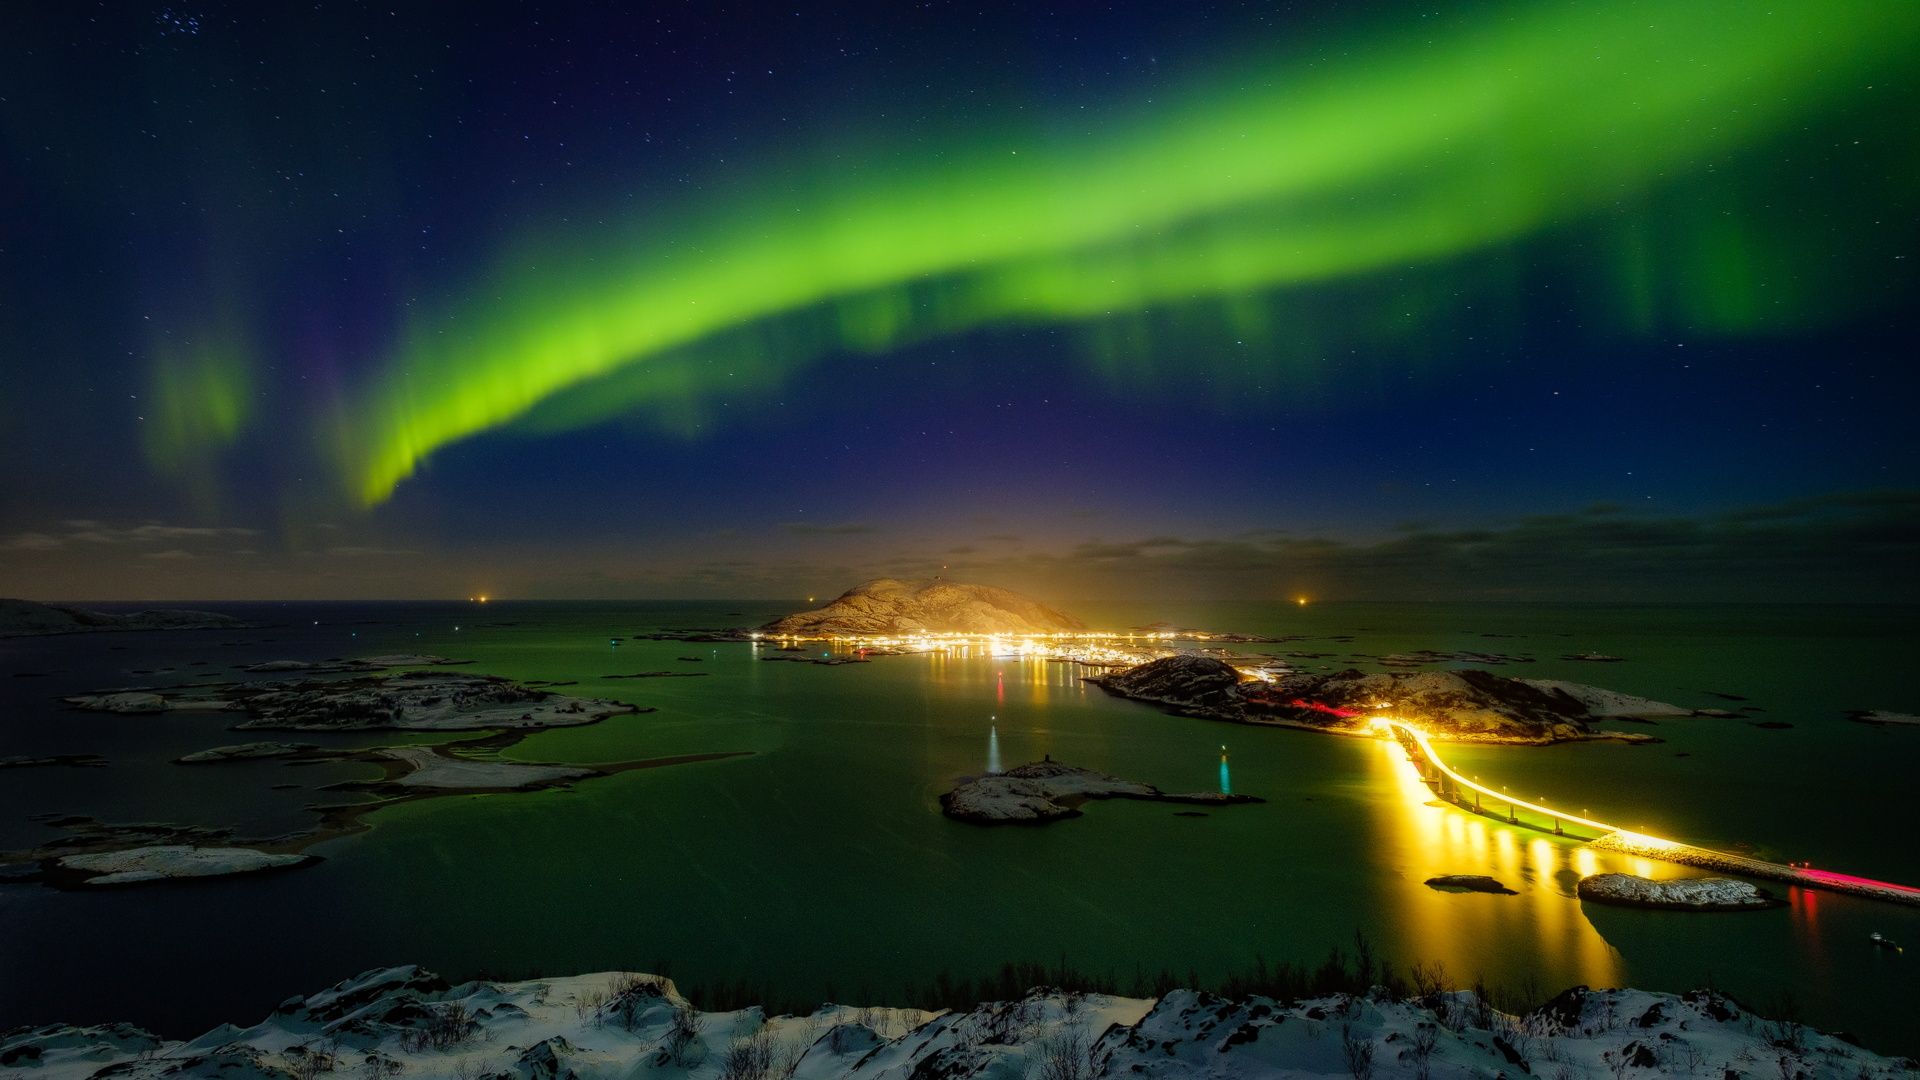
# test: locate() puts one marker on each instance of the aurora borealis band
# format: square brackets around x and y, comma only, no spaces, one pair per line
[353,282]
[1429,151]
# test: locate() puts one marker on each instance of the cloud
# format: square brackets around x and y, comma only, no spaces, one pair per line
[170,553]
[86,530]
[1848,547]
[93,531]
[363,551]
[808,528]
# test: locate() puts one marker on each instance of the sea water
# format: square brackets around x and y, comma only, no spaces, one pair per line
[819,866]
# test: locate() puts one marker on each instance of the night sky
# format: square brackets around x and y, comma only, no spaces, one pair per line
[1527,301]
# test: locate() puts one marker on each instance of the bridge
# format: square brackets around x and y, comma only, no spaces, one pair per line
[1475,797]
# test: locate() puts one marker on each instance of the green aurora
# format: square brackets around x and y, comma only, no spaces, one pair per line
[1405,152]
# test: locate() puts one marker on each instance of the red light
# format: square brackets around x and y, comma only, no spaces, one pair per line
[1303,703]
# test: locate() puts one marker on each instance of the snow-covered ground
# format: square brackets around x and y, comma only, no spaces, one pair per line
[1604,704]
[407,1023]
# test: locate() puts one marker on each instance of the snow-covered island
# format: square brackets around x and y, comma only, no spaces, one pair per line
[1676,894]
[499,712]
[409,701]
[1043,791]
[172,862]
[409,1023]
[1883,717]
[25,618]
[1466,705]
[252,751]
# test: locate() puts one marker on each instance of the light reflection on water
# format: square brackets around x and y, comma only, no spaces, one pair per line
[1425,838]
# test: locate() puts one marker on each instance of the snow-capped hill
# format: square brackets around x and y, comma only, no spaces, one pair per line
[25,618]
[1184,679]
[888,606]
[405,1023]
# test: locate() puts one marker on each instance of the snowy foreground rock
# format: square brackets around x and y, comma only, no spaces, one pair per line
[406,1022]
[1679,894]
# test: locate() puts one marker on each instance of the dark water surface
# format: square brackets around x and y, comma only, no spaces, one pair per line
[820,865]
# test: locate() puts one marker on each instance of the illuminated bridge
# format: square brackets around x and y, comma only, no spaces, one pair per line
[1477,798]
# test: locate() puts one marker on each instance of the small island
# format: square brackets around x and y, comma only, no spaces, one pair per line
[409,701]
[1469,883]
[494,712]
[1676,894]
[1043,791]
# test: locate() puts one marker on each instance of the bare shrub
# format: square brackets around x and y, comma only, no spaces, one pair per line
[1067,1054]
[748,1059]
[447,1025]
[1482,1004]
[588,1003]
[308,1060]
[1429,979]
[1358,1051]
[627,996]
[786,1059]
[1782,1026]
[681,1046]
[1426,1037]
[1365,968]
